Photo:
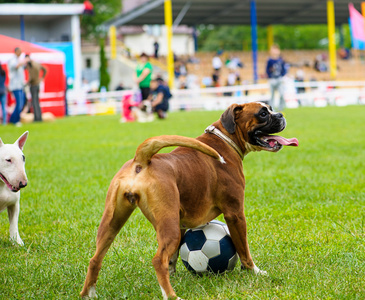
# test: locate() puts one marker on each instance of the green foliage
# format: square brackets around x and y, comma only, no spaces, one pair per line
[103,11]
[212,38]
[103,70]
[304,208]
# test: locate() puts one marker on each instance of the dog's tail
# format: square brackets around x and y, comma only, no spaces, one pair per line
[151,146]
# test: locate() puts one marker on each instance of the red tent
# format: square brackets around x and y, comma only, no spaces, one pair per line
[52,90]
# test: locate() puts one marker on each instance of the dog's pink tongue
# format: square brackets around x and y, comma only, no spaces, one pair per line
[283,141]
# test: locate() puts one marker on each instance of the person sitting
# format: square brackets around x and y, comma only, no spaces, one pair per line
[159,97]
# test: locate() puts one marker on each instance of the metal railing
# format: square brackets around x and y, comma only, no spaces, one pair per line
[317,94]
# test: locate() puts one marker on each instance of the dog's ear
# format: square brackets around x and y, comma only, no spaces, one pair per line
[21,141]
[1,142]
[229,116]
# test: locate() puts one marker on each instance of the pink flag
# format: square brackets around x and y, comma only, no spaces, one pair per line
[357,23]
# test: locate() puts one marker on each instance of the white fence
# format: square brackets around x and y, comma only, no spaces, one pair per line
[317,94]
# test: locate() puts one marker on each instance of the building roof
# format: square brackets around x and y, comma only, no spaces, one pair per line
[236,12]
[41,9]
[38,12]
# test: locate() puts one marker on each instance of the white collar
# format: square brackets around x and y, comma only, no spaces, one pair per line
[217,132]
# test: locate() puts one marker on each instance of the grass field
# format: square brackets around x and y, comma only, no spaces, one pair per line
[304,208]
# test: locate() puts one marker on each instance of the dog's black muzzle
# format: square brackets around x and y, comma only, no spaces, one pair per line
[275,124]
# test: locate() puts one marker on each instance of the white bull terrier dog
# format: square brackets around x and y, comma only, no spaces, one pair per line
[12,179]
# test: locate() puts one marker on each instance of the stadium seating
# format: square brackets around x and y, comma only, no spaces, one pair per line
[350,69]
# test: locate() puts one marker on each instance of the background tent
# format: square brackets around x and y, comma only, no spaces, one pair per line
[52,90]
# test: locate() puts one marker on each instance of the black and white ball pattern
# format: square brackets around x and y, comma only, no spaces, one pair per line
[208,248]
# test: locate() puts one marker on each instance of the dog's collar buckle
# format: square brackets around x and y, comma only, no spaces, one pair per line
[229,141]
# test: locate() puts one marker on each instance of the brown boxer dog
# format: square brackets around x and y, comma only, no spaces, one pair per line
[189,187]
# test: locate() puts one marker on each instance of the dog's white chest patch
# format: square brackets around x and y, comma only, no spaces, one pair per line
[7,197]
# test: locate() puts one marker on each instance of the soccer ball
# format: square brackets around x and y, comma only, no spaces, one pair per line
[208,248]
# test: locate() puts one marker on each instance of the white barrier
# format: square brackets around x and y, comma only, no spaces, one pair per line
[317,94]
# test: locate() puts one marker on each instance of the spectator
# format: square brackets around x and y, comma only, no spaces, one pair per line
[143,75]
[231,78]
[217,62]
[156,47]
[275,71]
[182,82]
[88,8]
[34,80]
[215,78]
[120,87]
[233,63]
[3,93]
[299,77]
[160,96]
[16,84]
[344,53]
[320,64]
[180,69]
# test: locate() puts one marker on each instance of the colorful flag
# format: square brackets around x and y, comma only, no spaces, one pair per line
[357,28]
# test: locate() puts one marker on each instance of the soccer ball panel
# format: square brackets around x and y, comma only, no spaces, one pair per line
[228,246]
[214,232]
[232,262]
[211,248]
[224,225]
[220,264]
[184,252]
[198,261]
[194,239]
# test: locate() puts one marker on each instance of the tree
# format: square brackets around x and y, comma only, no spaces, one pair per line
[103,11]
[212,38]
[103,71]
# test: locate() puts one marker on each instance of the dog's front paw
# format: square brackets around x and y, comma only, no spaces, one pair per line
[257,271]
[17,240]
[91,294]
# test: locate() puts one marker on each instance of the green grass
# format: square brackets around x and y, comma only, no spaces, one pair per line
[304,208]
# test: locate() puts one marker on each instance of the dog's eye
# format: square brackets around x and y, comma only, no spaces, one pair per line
[263,114]
[23,158]
[8,160]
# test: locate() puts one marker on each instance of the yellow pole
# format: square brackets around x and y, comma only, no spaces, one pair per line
[331,38]
[113,42]
[270,36]
[170,56]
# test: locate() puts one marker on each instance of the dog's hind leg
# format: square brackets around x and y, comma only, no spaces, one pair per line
[175,256]
[168,238]
[13,214]
[238,229]
[117,211]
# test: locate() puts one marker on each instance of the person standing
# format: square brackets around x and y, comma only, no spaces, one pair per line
[3,93]
[16,84]
[143,75]
[275,71]
[156,47]
[34,80]
[217,62]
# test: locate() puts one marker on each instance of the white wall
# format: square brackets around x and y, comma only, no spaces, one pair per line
[59,28]
[46,31]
